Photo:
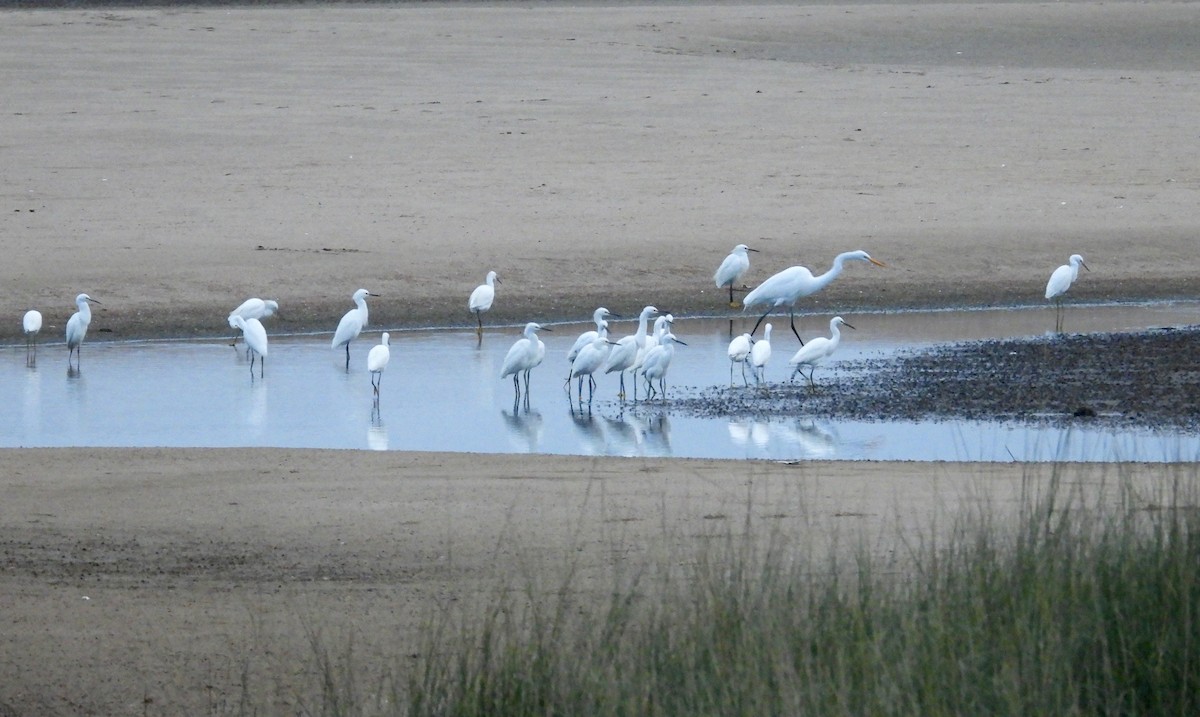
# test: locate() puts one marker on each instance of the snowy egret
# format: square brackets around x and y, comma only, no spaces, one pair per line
[590,359]
[790,285]
[481,299]
[732,270]
[256,340]
[662,325]
[377,361]
[739,352]
[760,354]
[77,326]
[817,350]
[523,356]
[625,352]
[658,360]
[32,324]
[253,309]
[352,323]
[1060,281]
[599,316]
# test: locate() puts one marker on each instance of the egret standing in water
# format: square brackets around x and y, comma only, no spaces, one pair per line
[656,363]
[256,341]
[481,300]
[731,271]
[77,327]
[587,337]
[352,323]
[817,350]
[590,359]
[622,356]
[792,284]
[739,352]
[31,323]
[524,355]
[252,309]
[1060,281]
[377,361]
[662,325]
[760,354]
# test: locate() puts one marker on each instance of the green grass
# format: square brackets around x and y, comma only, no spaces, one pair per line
[1075,605]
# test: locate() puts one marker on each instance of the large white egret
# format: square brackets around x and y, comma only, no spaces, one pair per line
[256,340]
[792,284]
[254,308]
[523,356]
[760,354]
[77,326]
[731,271]
[591,359]
[352,324]
[656,363]
[31,324]
[1060,281]
[739,352]
[624,353]
[377,360]
[482,298]
[817,350]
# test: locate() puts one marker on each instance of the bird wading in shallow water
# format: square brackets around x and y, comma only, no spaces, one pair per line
[481,300]
[591,359]
[377,360]
[794,283]
[739,352]
[77,327]
[352,324]
[816,351]
[523,356]
[732,269]
[624,353]
[1060,281]
[760,354]
[253,309]
[658,360]
[31,324]
[256,341]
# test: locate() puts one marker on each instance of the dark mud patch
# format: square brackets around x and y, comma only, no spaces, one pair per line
[1147,379]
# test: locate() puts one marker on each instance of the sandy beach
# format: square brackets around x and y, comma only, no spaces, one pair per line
[173,161]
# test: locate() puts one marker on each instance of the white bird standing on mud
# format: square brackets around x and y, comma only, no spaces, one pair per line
[256,341]
[31,324]
[1060,281]
[377,360]
[739,351]
[77,327]
[482,298]
[731,271]
[524,356]
[352,323]
[760,354]
[624,353]
[817,350]
[790,285]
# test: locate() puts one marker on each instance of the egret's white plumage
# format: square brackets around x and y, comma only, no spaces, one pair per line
[77,325]
[817,350]
[739,351]
[662,325]
[790,285]
[760,354]
[591,359]
[254,309]
[624,354]
[482,298]
[1061,280]
[599,316]
[32,323]
[352,323]
[256,340]
[732,269]
[523,356]
[377,360]
[657,361]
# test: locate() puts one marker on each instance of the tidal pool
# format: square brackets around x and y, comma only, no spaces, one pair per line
[442,392]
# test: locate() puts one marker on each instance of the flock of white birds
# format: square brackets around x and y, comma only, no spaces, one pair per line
[647,352]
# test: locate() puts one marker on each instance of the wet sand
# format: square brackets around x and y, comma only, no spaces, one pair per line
[172,162]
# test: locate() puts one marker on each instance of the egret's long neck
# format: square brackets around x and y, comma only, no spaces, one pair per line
[641,332]
[362,311]
[85,312]
[839,261]
[835,335]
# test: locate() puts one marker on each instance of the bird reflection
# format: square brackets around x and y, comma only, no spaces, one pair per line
[658,435]
[813,439]
[377,435]
[591,432]
[624,436]
[524,430]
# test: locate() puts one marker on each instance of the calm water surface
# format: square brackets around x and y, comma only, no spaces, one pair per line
[442,393]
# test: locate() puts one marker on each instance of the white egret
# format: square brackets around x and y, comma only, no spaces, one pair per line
[253,309]
[662,325]
[481,299]
[31,323]
[590,359]
[731,271]
[760,354]
[1060,281]
[377,361]
[656,363]
[790,285]
[739,352]
[523,356]
[817,350]
[256,340]
[625,352]
[352,323]
[599,316]
[77,326]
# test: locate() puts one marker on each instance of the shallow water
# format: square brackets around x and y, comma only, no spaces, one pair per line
[442,393]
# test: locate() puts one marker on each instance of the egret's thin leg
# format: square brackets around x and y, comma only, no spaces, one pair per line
[792,314]
[760,320]
[347,357]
